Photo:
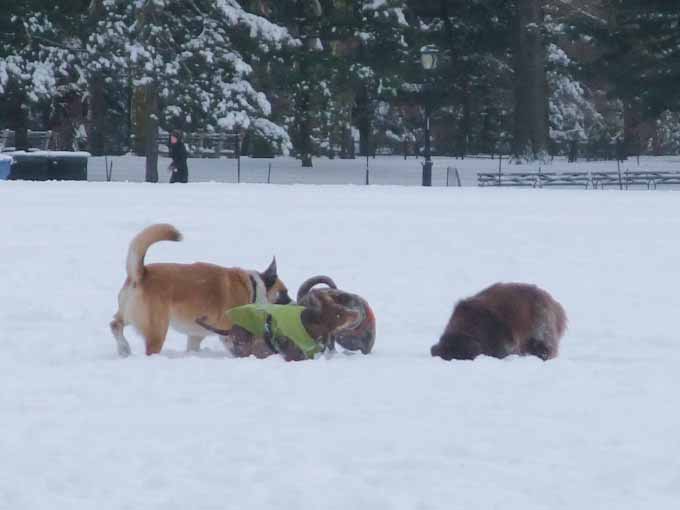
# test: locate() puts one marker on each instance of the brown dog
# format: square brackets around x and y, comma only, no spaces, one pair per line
[504,319]
[320,322]
[359,336]
[157,296]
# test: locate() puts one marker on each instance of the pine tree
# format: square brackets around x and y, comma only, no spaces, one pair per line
[108,76]
[39,60]
[473,86]
[651,31]
[382,54]
[189,64]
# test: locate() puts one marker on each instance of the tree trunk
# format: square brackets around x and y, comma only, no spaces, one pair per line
[151,132]
[138,120]
[307,11]
[18,121]
[363,118]
[632,119]
[97,117]
[531,101]
[465,125]
[304,129]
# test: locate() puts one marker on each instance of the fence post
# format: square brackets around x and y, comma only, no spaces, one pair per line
[238,158]
[460,184]
[618,168]
[108,168]
[448,170]
[500,161]
[367,171]
[269,174]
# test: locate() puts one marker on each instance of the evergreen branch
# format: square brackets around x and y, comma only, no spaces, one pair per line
[582,12]
[54,44]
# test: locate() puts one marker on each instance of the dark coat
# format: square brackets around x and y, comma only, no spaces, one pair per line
[178,153]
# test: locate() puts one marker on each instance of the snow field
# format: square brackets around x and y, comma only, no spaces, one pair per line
[595,428]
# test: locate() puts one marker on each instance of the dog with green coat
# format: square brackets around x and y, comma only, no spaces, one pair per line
[295,332]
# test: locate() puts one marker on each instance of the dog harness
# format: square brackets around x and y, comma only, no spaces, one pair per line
[286,321]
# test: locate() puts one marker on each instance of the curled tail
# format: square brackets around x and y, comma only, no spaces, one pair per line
[140,244]
[312,282]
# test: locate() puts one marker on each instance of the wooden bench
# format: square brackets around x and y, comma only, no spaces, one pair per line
[665,179]
[4,136]
[564,179]
[205,145]
[603,179]
[39,140]
[650,179]
[516,179]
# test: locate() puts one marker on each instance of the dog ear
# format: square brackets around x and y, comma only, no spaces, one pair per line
[269,276]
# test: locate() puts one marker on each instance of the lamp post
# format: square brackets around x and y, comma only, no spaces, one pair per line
[429,58]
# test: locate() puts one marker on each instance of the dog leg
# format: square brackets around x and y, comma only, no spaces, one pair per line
[154,335]
[228,342]
[538,348]
[194,343]
[154,344]
[117,325]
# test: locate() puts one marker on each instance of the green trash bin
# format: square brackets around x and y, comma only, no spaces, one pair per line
[68,166]
[29,166]
[49,166]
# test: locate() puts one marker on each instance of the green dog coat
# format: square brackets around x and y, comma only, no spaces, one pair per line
[286,321]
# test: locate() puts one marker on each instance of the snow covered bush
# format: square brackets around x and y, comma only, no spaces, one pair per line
[38,60]
[573,116]
[667,139]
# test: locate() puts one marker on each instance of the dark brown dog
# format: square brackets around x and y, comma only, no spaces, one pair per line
[320,322]
[504,319]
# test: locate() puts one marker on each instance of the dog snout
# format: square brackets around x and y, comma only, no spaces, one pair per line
[283,298]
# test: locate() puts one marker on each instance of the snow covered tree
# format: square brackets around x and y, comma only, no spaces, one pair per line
[666,140]
[574,118]
[39,59]
[473,84]
[381,53]
[189,64]
[108,75]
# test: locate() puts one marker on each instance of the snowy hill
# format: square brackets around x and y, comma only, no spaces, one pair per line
[595,428]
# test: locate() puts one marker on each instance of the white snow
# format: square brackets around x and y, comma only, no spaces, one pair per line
[596,428]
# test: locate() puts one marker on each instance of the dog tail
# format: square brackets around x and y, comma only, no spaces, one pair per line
[140,244]
[313,282]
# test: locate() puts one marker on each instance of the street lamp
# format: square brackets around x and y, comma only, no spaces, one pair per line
[429,58]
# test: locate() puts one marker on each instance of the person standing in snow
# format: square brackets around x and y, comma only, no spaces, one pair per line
[178,153]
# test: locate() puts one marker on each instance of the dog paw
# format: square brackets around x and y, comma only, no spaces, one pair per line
[123,350]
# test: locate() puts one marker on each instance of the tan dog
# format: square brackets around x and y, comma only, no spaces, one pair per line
[157,296]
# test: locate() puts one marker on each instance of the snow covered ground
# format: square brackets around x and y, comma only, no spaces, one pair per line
[596,428]
[382,170]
